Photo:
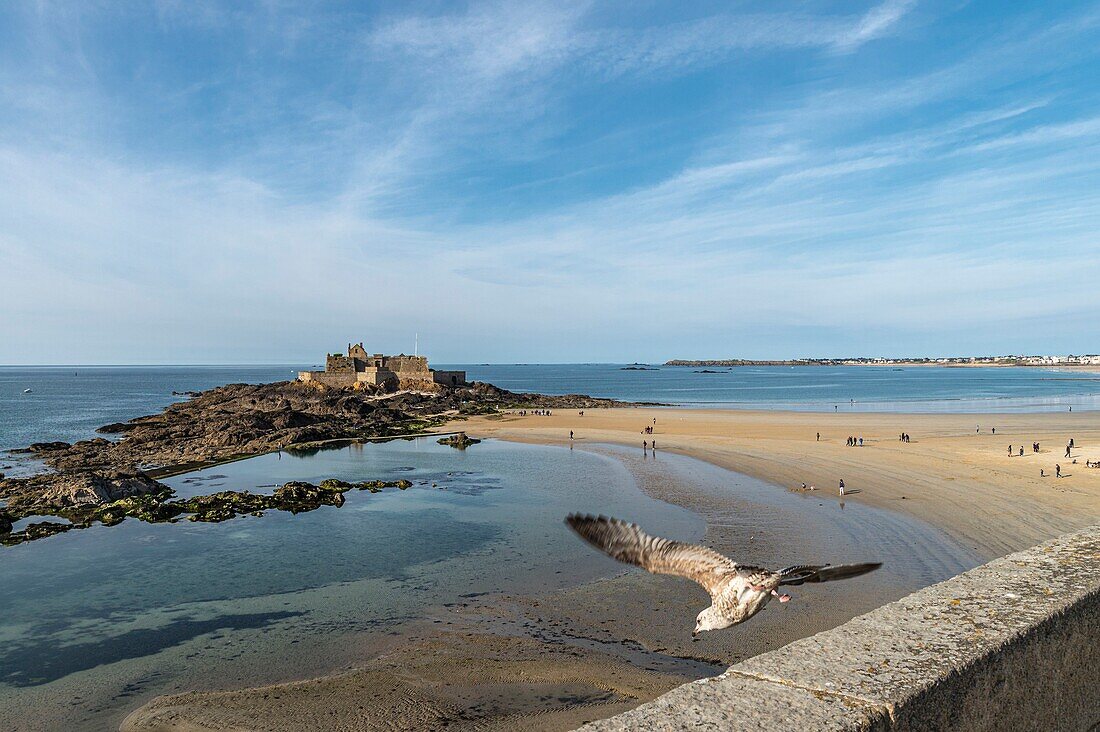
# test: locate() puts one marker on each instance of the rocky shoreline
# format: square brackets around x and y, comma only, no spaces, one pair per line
[105,481]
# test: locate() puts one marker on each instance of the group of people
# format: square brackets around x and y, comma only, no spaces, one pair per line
[1057,467]
[537,412]
[855,442]
[904,437]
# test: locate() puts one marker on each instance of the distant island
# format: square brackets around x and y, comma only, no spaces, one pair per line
[1088,360]
[358,397]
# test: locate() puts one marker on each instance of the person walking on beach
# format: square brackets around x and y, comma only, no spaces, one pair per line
[1010,450]
[1067,451]
[1021,450]
[861,442]
[841,487]
[1057,471]
[994,430]
[1042,473]
[645,445]
[570,434]
[819,437]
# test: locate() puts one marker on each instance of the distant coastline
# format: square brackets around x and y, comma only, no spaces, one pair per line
[1076,363]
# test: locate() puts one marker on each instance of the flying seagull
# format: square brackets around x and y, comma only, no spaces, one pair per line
[737,591]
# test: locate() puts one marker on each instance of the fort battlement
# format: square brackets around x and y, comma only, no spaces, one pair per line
[377,369]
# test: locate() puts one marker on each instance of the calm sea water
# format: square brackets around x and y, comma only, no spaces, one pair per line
[813,388]
[68,403]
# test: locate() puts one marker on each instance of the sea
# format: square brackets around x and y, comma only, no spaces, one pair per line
[69,402]
[95,622]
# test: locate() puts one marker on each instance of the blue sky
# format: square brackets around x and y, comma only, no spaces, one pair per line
[202,182]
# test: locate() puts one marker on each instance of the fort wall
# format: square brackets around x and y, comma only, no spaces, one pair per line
[401,371]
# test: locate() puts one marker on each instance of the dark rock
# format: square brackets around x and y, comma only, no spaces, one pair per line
[48,446]
[34,531]
[238,420]
[458,441]
[51,492]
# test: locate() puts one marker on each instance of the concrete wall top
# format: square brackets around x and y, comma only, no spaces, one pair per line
[1011,645]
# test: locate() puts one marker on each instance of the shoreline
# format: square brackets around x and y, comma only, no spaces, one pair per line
[735,363]
[954,474]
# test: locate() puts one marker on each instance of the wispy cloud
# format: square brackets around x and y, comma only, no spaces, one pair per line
[558,178]
[875,23]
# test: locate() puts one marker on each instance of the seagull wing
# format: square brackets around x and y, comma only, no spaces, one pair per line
[802,573]
[629,544]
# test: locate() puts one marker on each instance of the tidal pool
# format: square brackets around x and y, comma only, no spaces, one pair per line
[95,622]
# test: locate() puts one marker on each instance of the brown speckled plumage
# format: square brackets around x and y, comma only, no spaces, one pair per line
[737,591]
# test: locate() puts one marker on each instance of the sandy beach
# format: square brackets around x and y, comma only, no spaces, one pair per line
[955,473]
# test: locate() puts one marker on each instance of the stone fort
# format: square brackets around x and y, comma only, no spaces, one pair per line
[395,372]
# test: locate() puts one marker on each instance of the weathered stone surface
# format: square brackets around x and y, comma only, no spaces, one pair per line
[734,702]
[83,488]
[1009,645]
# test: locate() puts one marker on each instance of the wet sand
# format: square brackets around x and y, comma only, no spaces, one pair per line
[552,660]
[954,474]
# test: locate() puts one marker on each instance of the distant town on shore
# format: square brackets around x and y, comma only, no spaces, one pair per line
[1071,360]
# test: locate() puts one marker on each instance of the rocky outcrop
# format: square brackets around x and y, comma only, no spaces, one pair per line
[157,505]
[248,419]
[236,421]
[459,441]
[77,489]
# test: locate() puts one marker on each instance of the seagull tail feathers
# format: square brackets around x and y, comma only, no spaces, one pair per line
[803,573]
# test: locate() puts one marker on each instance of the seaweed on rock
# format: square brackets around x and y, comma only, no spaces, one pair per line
[158,506]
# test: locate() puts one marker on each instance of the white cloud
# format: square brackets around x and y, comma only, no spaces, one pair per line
[795,215]
[874,24]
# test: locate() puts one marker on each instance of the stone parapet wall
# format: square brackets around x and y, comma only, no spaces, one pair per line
[449,378]
[1011,645]
[401,364]
[346,378]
